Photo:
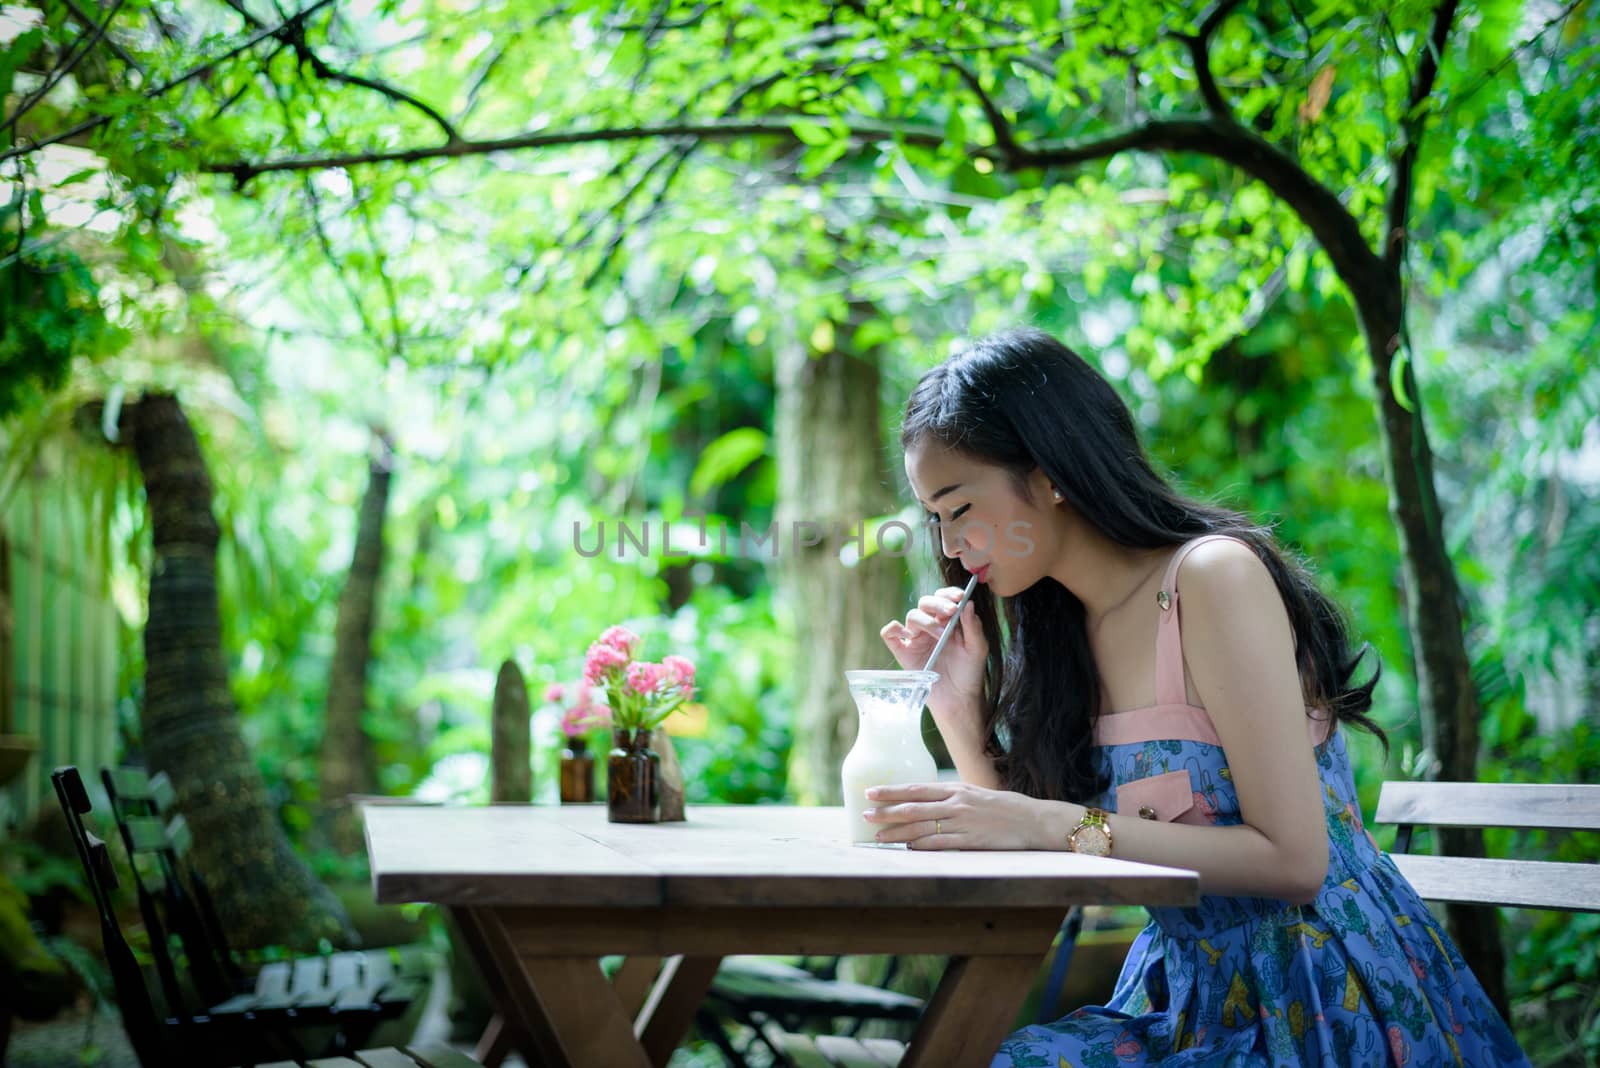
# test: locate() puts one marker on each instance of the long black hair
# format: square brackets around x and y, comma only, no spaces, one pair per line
[1021,399]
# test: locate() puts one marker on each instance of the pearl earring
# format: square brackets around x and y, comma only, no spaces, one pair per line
[1057,494]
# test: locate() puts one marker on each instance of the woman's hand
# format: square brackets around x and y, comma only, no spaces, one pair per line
[956,700]
[955,815]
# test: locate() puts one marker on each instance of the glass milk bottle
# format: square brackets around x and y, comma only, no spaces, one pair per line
[889,747]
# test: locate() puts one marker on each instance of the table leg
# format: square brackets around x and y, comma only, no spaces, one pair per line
[581,1009]
[677,995]
[972,1011]
[497,1040]
[633,982]
[518,1021]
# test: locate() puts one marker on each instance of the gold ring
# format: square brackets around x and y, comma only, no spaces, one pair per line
[936,827]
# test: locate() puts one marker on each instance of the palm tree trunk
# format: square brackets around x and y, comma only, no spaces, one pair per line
[266,894]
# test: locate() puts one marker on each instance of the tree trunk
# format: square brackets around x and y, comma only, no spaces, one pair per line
[348,764]
[831,472]
[1448,700]
[266,894]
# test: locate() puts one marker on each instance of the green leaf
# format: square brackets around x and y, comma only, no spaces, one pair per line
[813,133]
[724,458]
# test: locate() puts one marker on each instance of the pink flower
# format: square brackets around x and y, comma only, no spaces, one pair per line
[600,660]
[680,669]
[645,677]
[620,638]
[552,693]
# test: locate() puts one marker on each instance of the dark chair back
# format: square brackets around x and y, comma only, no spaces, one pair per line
[139,1017]
[164,839]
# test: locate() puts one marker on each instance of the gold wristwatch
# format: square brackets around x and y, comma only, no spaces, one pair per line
[1091,836]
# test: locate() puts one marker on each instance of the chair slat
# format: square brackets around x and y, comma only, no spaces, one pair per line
[1522,806]
[274,978]
[145,835]
[344,970]
[886,1050]
[179,836]
[434,1055]
[162,793]
[1514,883]
[128,784]
[847,1052]
[800,1049]
[310,974]
[388,1057]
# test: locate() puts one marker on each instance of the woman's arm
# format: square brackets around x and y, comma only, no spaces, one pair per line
[966,748]
[1240,650]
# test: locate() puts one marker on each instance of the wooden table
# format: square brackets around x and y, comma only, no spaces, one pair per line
[542,892]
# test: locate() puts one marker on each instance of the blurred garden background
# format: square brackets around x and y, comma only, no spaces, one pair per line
[438,285]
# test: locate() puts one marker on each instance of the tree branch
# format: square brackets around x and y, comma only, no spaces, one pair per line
[73,57]
[1412,126]
[111,42]
[165,87]
[1199,45]
[242,171]
[1004,140]
[295,36]
[1317,206]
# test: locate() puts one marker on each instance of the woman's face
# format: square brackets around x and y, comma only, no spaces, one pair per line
[1005,540]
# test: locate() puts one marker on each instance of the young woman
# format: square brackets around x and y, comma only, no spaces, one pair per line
[1174,691]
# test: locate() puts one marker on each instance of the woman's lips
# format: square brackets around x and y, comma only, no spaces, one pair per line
[982,573]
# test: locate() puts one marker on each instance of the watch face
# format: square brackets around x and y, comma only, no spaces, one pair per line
[1092,841]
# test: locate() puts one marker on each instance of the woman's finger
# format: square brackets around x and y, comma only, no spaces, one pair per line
[916,791]
[908,832]
[905,812]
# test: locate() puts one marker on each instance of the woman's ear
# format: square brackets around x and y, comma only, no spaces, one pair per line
[1041,488]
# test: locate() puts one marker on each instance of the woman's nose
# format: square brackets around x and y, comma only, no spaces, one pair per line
[951,540]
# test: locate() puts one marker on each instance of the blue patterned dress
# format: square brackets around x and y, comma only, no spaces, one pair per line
[1362,976]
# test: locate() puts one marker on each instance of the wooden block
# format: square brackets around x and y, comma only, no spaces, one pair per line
[1515,883]
[1477,804]
[333,1062]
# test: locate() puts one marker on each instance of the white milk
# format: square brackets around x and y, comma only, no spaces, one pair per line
[889,747]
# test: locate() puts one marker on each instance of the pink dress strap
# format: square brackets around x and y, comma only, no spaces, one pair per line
[1169,642]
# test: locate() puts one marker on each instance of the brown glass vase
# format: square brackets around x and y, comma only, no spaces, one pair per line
[577,772]
[633,779]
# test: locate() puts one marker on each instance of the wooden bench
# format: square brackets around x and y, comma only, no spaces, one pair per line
[1532,884]
[428,1056]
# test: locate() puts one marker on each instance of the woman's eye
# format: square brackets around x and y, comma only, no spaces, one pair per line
[932,519]
[959,512]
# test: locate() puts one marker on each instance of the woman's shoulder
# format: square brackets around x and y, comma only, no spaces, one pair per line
[1225,574]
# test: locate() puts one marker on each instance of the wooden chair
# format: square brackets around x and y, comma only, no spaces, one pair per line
[387,979]
[429,1056]
[1531,884]
[175,1023]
